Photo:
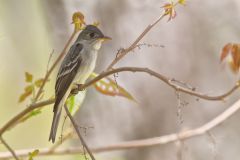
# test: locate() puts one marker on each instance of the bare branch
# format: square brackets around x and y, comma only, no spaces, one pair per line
[78,133]
[69,134]
[124,52]
[17,117]
[9,148]
[163,78]
[143,142]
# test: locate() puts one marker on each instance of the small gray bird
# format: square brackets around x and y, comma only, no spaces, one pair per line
[76,67]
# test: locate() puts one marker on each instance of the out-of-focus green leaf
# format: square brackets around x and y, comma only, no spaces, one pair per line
[29,88]
[38,83]
[78,21]
[33,154]
[28,77]
[182,2]
[107,86]
[31,114]
[96,23]
[75,102]
[24,95]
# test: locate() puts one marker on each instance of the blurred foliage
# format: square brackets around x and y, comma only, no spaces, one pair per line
[78,21]
[31,87]
[33,154]
[169,8]
[74,102]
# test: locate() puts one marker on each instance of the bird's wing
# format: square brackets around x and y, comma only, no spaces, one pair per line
[67,72]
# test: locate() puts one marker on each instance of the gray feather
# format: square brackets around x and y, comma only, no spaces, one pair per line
[66,75]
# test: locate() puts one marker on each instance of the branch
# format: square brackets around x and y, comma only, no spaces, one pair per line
[9,148]
[168,81]
[54,65]
[78,133]
[69,134]
[124,52]
[17,117]
[140,143]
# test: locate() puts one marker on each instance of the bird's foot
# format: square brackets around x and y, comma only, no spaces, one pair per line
[76,89]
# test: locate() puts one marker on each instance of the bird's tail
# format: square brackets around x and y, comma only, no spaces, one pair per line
[56,117]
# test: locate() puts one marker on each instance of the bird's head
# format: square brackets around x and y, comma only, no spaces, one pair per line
[92,36]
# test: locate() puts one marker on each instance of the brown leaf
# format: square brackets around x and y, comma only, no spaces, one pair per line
[225,51]
[233,67]
[231,52]
[107,86]
[28,77]
[236,55]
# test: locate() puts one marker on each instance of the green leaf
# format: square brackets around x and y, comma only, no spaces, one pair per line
[75,102]
[31,114]
[24,95]
[29,88]
[182,2]
[38,83]
[28,77]
[33,154]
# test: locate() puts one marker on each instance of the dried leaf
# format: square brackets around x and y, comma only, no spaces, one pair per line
[231,52]
[78,21]
[225,51]
[38,83]
[236,55]
[233,67]
[33,154]
[108,86]
[28,77]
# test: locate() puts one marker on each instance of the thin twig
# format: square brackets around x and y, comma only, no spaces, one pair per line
[49,59]
[149,142]
[163,78]
[78,132]
[17,117]
[66,136]
[124,52]
[9,148]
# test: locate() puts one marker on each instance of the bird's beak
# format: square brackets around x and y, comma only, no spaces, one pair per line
[105,38]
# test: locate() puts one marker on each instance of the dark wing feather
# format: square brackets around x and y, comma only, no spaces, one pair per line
[67,72]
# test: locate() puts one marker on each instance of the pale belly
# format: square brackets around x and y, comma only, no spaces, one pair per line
[86,68]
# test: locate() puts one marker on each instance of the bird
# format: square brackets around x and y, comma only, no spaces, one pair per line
[75,69]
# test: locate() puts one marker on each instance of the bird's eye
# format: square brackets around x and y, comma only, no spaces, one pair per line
[92,35]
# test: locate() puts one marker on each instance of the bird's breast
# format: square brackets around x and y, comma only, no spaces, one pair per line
[87,66]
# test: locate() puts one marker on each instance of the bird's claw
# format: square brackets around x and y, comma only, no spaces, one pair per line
[78,88]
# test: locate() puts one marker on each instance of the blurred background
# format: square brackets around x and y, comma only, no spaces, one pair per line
[31,29]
